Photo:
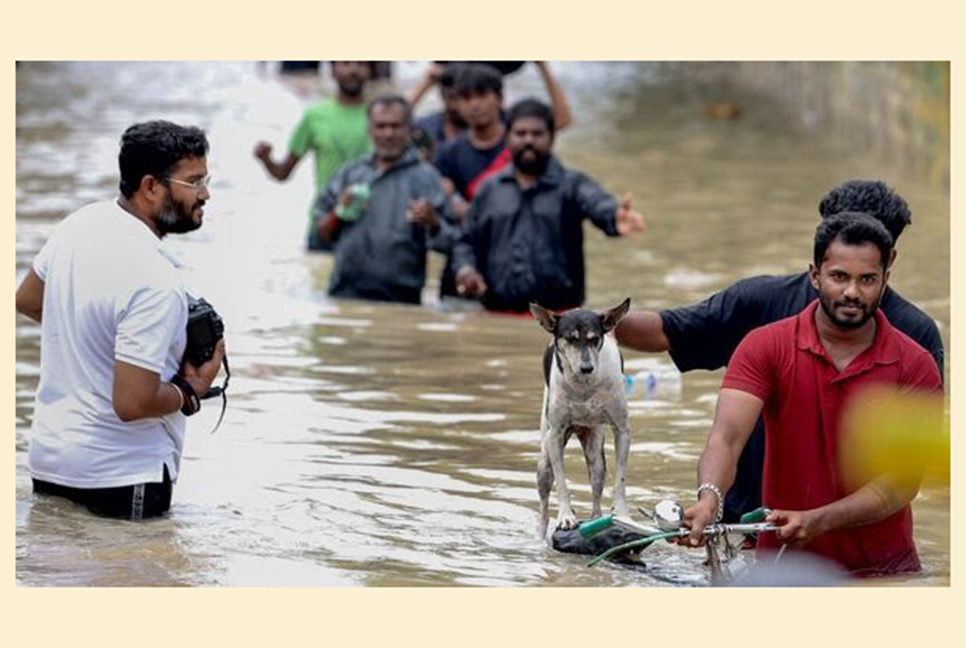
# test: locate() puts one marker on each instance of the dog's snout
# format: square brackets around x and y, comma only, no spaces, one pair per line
[586,368]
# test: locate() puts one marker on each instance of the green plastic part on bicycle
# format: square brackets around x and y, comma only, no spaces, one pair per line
[593,527]
[753,517]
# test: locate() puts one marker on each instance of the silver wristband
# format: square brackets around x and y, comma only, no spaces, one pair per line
[719,511]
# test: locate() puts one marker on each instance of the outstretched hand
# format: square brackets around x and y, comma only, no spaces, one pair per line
[628,221]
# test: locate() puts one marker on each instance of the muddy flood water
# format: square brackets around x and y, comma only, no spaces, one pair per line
[382,445]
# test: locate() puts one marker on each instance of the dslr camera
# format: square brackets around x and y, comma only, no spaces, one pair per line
[205,328]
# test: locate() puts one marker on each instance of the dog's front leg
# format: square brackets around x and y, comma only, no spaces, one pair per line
[544,484]
[593,443]
[622,447]
[554,444]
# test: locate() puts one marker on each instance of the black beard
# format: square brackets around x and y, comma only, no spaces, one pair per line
[867,313]
[173,220]
[351,89]
[534,166]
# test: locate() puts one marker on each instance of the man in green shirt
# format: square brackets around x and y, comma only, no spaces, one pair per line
[333,128]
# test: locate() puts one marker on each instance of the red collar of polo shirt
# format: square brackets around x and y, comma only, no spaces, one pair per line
[884,349]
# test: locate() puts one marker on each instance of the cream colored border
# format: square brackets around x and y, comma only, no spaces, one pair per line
[496,29]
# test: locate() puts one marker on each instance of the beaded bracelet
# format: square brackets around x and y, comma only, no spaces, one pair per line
[719,512]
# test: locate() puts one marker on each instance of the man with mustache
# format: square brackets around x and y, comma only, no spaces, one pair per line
[801,373]
[523,235]
[109,419]
[480,151]
[705,335]
[334,129]
[387,209]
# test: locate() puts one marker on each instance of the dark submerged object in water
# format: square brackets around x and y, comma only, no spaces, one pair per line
[570,541]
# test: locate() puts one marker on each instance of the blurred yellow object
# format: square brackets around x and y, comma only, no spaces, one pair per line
[905,435]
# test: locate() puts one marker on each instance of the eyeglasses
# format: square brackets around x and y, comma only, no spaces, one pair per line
[197,185]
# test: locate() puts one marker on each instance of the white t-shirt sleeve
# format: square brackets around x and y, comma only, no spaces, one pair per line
[146,326]
[42,261]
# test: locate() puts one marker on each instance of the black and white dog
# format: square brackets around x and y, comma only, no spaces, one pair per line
[583,394]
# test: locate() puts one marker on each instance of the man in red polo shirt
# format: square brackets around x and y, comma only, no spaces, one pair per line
[801,372]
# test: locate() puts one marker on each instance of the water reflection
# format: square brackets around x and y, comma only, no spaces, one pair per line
[371,444]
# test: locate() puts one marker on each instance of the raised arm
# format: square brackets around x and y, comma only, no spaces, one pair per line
[278,170]
[425,84]
[611,217]
[558,100]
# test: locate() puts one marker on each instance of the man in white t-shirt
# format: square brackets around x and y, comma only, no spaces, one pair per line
[114,390]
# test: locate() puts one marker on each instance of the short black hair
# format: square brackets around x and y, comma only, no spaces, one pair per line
[474,78]
[872,197]
[154,148]
[391,100]
[852,228]
[531,107]
[447,78]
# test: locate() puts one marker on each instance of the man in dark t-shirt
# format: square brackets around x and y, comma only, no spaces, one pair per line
[705,335]
[476,154]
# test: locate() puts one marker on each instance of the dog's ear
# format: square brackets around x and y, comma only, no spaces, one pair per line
[547,318]
[613,316]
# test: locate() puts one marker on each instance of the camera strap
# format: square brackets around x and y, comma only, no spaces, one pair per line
[214,392]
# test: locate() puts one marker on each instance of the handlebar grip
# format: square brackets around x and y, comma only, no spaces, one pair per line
[752,517]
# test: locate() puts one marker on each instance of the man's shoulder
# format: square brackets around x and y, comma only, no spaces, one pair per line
[555,165]
[769,298]
[917,365]
[782,331]
[425,168]
[419,169]
[904,315]
[458,145]
[765,285]
[443,158]
[910,349]
[90,217]
[321,107]
[498,184]
[351,170]
[98,209]
[328,110]
[429,122]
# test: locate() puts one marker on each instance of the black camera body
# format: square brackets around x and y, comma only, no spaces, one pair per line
[205,328]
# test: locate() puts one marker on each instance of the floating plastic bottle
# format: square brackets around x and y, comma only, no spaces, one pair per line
[654,384]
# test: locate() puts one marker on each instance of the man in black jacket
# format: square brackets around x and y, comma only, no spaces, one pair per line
[523,236]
